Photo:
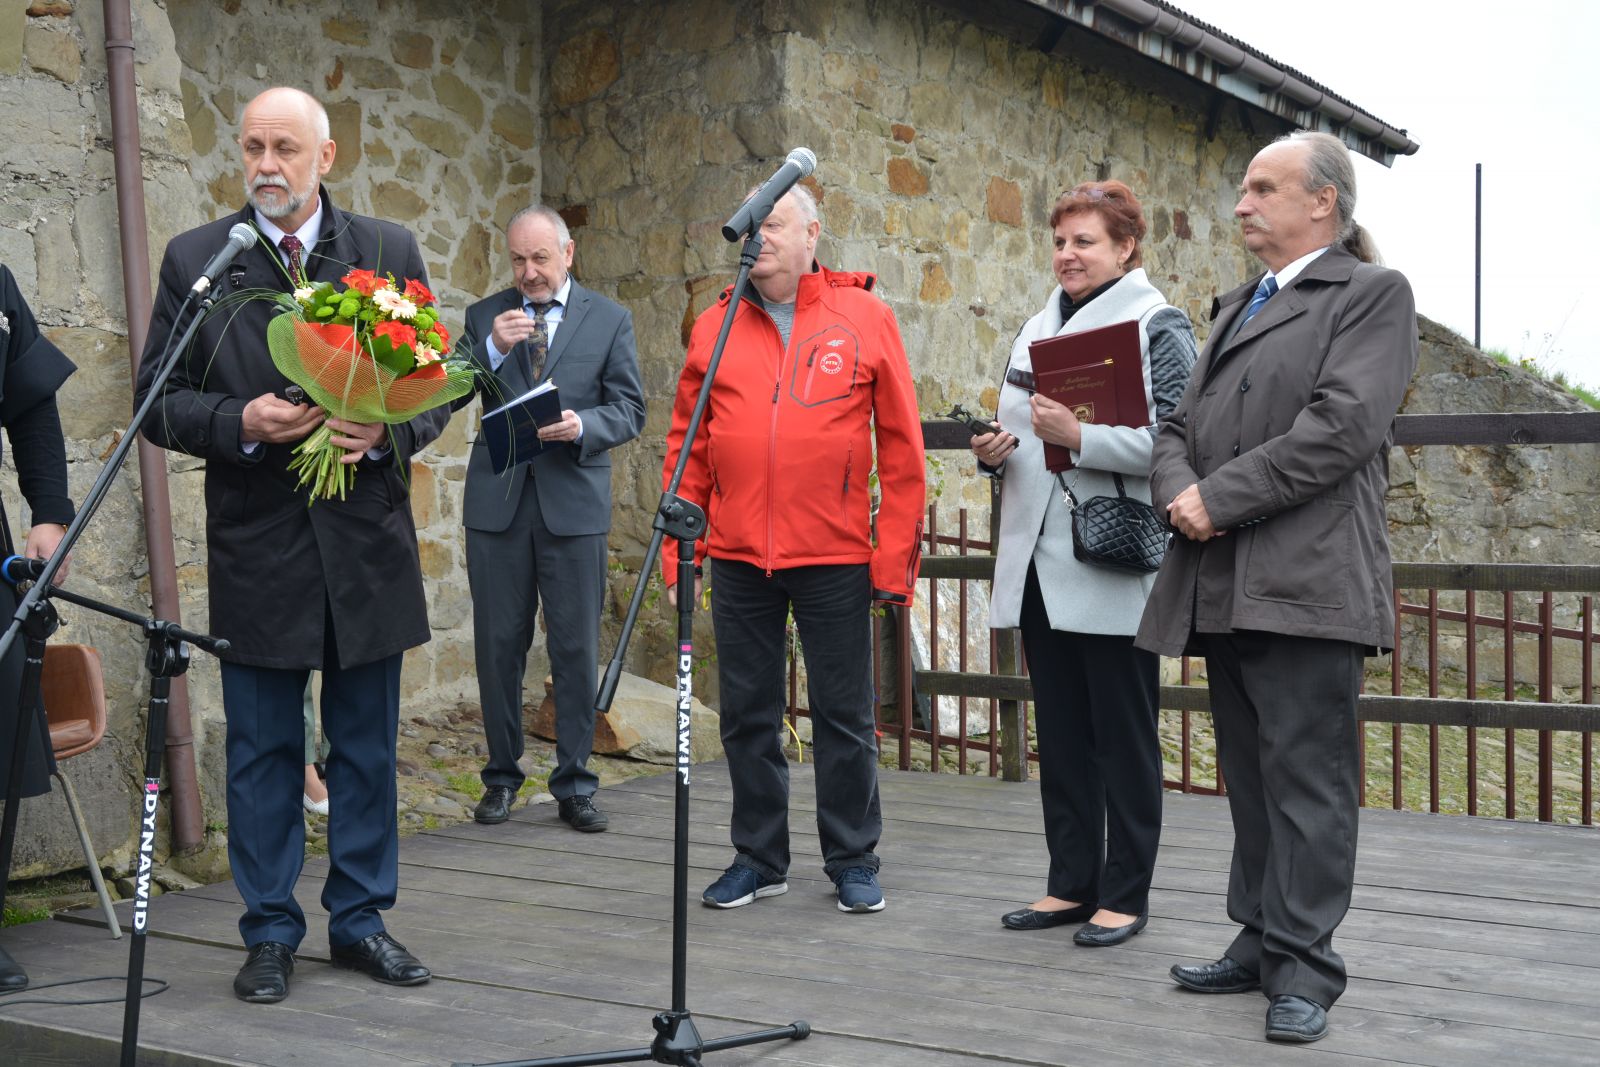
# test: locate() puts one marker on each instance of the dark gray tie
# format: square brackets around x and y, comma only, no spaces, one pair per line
[538,341]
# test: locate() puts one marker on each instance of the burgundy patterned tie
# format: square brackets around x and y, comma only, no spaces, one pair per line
[290,246]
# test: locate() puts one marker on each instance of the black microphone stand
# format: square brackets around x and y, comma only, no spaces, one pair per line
[677,1041]
[166,658]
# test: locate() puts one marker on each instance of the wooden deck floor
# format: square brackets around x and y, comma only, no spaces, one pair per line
[1471,942]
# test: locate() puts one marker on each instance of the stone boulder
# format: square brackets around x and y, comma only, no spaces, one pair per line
[641,725]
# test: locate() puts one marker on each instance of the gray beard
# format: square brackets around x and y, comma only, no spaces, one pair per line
[294,203]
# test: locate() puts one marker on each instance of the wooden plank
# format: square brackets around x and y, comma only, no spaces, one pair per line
[1499,428]
[1464,947]
[1497,577]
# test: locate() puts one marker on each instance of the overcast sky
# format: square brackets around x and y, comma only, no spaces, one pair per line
[1511,86]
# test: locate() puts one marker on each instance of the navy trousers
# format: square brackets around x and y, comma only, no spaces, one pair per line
[832,610]
[266,775]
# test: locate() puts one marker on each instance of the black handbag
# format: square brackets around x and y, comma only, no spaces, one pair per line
[1116,531]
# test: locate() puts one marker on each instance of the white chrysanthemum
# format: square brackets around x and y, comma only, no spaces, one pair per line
[304,294]
[396,305]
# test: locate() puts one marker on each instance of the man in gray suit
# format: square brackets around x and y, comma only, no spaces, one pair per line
[1273,470]
[539,530]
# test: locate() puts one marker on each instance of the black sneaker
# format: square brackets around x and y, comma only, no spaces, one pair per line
[580,813]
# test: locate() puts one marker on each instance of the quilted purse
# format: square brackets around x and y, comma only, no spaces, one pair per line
[1116,531]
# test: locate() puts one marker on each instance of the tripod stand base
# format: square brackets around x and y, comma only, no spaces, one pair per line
[677,1042]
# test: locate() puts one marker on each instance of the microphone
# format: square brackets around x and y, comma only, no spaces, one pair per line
[240,238]
[19,569]
[754,211]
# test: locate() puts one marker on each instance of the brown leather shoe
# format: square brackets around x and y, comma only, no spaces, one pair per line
[264,978]
[382,958]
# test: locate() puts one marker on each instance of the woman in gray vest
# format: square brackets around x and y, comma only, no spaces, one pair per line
[1094,693]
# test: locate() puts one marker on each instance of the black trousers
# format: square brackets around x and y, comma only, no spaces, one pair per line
[1285,712]
[832,610]
[1099,759]
[39,761]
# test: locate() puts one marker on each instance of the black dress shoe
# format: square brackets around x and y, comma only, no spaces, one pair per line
[1095,936]
[1223,976]
[1296,1019]
[495,805]
[13,978]
[264,978]
[383,958]
[1031,919]
[580,813]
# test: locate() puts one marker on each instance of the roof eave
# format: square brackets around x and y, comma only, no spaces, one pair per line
[1168,36]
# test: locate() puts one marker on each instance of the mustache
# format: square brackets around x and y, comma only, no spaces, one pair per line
[273,181]
[1255,222]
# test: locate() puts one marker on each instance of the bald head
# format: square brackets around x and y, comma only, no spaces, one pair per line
[283,137]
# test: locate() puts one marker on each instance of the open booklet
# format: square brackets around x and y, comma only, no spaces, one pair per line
[512,430]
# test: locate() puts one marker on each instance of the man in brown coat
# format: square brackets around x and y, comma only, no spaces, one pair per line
[1273,470]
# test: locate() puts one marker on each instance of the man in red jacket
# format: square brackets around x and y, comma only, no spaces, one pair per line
[813,377]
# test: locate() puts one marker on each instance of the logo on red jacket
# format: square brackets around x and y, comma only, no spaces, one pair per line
[830,363]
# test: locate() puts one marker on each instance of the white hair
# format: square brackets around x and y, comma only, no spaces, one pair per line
[548,214]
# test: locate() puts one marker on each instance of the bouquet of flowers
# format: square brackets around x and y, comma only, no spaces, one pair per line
[367,350]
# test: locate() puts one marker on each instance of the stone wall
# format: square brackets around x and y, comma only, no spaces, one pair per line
[941,144]
[942,138]
[434,107]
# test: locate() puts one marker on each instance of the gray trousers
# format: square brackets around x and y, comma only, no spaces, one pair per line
[1285,713]
[509,572]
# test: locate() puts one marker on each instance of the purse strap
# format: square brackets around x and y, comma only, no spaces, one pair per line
[1070,498]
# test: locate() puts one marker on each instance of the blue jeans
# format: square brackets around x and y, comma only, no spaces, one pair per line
[832,609]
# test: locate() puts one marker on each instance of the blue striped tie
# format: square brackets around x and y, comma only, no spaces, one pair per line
[1264,291]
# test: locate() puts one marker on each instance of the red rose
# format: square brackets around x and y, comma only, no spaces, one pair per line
[397,332]
[365,282]
[417,293]
[444,336]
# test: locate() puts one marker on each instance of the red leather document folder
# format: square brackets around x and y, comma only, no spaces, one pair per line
[1098,373]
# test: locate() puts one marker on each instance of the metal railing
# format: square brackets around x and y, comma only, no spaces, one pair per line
[1441,626]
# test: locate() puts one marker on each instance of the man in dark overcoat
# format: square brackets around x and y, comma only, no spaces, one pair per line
[537,533]
[1273,470]
[335,586]
[31,370]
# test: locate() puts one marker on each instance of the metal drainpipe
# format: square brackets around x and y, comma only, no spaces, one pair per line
[188,827]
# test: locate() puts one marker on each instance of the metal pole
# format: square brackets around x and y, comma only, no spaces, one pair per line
[1477,264]
[188,825]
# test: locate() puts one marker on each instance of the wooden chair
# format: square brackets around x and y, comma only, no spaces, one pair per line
[75,703]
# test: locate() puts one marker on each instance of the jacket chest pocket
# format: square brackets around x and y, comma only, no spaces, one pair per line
[825,367]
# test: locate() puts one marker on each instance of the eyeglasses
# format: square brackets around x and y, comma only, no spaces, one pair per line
[1093,193]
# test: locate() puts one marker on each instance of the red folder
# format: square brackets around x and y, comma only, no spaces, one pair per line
[1098,373]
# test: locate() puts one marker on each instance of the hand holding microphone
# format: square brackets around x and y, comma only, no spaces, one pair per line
[42,541]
